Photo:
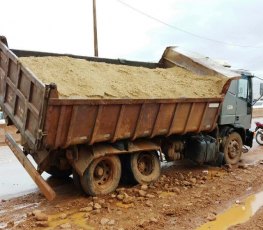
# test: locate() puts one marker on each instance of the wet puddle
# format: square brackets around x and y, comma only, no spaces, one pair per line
[237,214]
[76,219]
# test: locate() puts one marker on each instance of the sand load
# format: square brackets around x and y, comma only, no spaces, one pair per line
[79,78]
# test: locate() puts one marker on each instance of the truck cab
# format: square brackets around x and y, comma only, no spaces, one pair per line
[236,112]
[237,106]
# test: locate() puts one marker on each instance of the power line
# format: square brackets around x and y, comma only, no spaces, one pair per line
[183,30]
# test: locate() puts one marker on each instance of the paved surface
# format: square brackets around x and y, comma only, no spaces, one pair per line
[14,179]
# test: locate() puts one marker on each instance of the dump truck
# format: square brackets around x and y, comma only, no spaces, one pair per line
[100,141]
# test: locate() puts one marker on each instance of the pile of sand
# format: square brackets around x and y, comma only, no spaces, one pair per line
[78,78]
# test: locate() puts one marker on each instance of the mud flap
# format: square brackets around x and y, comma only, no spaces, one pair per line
[40,182]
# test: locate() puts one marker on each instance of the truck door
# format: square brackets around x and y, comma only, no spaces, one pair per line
[243,103]
[228,112]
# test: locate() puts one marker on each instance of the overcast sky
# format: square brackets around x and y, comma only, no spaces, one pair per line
[66,26]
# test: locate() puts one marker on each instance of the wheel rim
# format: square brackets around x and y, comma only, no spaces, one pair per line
[103,173]
[233,149]
[145,164]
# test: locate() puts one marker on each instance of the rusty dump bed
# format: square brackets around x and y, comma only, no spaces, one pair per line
[45,121]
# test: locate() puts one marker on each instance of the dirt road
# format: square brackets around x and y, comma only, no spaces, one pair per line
[185,197]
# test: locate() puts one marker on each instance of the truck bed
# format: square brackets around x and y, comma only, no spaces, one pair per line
[46,121]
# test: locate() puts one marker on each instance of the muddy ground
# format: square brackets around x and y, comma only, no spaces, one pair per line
[185,197]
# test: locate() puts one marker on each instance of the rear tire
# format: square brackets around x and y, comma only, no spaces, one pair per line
[233,148]
[102,176]
[145,167]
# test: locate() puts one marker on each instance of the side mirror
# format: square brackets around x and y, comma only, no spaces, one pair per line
[261,89]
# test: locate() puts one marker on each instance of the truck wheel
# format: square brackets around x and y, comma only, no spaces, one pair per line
[145,167]
[233,148]
[259,138]
[102,176]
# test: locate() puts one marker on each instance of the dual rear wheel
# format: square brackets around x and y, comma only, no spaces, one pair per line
[103,175]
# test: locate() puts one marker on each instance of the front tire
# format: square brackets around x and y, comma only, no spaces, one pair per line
[233,148]
[259,138]
[102,176]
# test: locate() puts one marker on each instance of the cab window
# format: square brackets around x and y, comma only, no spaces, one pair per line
[242,89]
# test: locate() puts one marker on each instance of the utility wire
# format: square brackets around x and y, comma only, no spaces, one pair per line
[183,30]
[258,78]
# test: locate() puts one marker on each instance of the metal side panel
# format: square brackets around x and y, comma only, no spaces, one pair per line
[22,96]
[71,122]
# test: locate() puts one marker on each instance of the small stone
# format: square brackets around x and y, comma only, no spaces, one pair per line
[96,211]
[111,222]
[86,209]
[181,176]
[127,200]
[166,186]
[142,193]
[237,202]
[150,195]
[42,224]
[243,166]
[119,190]
[211,217]
[65,226]
[29,214]
[63,216]
[104,221]
[144,187]
[142,223]
[217,175]
[119,213]
[120,197]
[97,206]
[35,212]
[91,204]
[186,183]
[39,216]
[176,190]
[101,201]
[193,180]
[149,203]
[153,220]
[166,205]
